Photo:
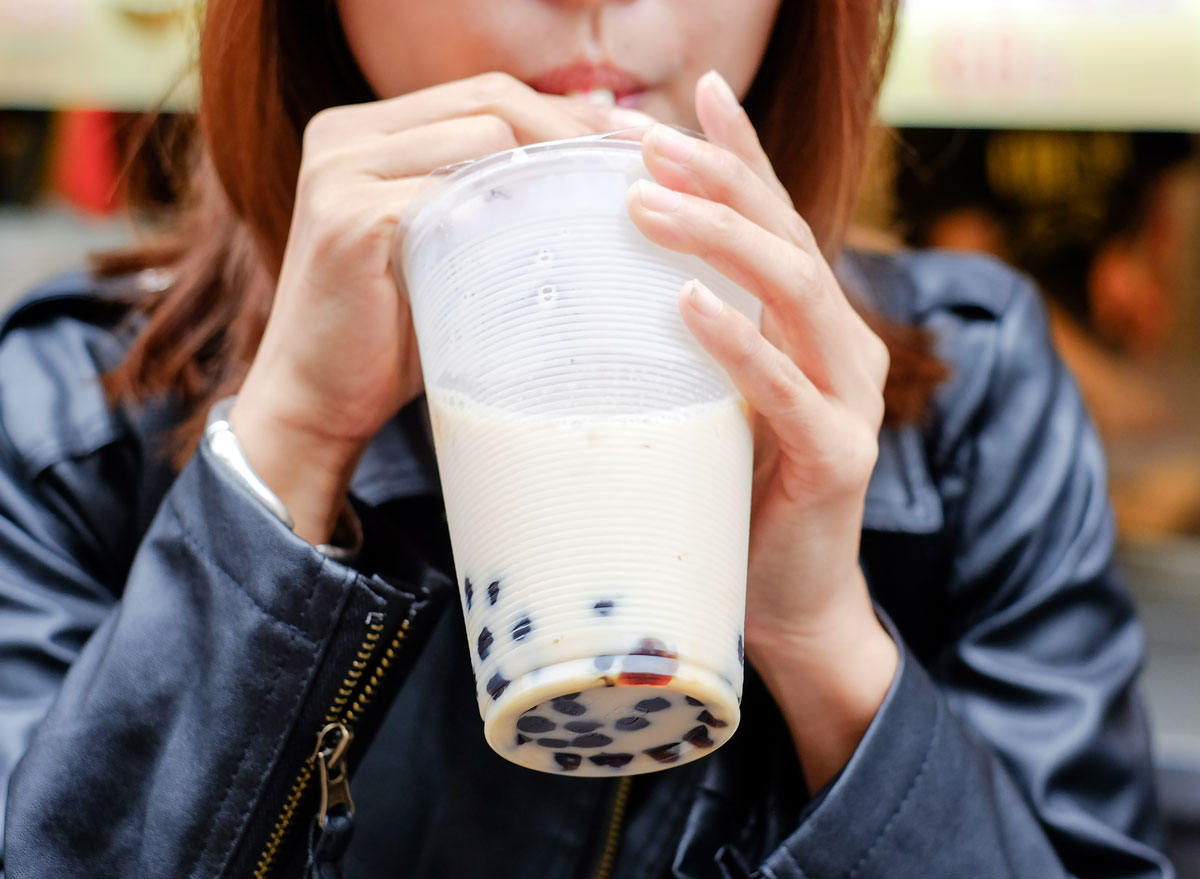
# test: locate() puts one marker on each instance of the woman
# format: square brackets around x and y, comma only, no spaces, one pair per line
[943,657]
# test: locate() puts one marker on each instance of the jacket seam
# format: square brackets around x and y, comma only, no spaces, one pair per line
[195,546]
[908,793]
[210,834]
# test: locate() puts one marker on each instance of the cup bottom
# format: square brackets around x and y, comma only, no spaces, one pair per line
[567,719]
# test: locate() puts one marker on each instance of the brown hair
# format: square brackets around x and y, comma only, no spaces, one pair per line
[268,67]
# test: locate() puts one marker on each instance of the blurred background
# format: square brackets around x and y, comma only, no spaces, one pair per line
[1060,136]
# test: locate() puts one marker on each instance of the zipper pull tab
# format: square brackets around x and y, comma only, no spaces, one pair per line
[330,755]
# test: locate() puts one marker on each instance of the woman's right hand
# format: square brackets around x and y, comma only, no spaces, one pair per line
[338,357]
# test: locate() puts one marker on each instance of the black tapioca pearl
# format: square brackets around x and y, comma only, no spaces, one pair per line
[630,724]
[521,740]
[568,696]
[664,753]
[582,726]
[648,706]
[493,592]
[534,723]
[521,629]
[485,643]
[698,737]
[604,608]
[741,649]
[706,717]
[468,592]
[553,743]
[614,760]
[568,761]
[695,702]
[497,685]
[603,663]
[591,740]
[571,709]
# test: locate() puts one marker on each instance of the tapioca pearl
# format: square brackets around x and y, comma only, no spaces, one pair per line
[604,608]
[582,726]
[567,760]
[568,696]
[468,592]
[485,643]
[695,702]
[631,724]
[698,737]
[591,740]
[493,592]
[553,743]
[534,723]
[571,709]
[521,629]
[497,685]
[522,740]
[616,761]
[707,718]
[664,753]
[649,706]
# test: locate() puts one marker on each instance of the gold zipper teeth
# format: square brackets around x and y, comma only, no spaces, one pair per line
[345,691]
[609,856]
[368,691]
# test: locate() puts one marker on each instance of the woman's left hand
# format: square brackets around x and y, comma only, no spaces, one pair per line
[814,375]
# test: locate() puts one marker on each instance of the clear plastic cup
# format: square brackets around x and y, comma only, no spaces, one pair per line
[595,462]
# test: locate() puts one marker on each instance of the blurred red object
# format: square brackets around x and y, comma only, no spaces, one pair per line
[86,165]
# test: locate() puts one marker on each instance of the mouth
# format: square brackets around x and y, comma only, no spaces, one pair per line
[592,80]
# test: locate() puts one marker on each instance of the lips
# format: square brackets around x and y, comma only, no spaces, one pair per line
[588,77]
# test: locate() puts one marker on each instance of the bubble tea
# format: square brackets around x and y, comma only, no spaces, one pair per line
[595,462]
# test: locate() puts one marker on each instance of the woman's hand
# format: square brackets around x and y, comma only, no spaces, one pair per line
[815,376]
[338,357]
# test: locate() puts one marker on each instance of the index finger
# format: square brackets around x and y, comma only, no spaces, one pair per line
[534,116]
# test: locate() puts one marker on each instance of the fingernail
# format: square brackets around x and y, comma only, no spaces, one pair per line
[704,300]
[623,117]
[723,90]
[658,198]
[675,145]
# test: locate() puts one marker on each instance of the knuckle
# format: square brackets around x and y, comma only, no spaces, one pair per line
[744,346]
[319,128]
[493,86]
[802,232]
[881,358]
[804,269]
[726,227]
[495,131]
[855,457]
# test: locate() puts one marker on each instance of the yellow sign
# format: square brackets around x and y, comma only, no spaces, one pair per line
[1092,64]
[997,63]
[117,54]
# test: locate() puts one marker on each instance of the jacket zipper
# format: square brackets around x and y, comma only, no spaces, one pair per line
[612,839]
[328,759]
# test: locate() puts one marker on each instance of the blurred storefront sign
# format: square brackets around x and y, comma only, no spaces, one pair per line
[990,63]
[1046,64]
[117,54]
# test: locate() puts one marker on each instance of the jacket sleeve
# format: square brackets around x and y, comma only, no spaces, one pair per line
[1022,750]
[155,729]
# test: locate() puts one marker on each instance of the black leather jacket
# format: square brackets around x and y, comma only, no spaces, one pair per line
[169,652]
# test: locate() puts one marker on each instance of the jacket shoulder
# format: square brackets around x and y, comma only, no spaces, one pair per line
[918,286]
[56,344]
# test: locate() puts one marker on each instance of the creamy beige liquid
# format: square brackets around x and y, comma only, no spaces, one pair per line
[603,561]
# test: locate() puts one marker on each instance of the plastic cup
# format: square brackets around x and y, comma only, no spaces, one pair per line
[595,462]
